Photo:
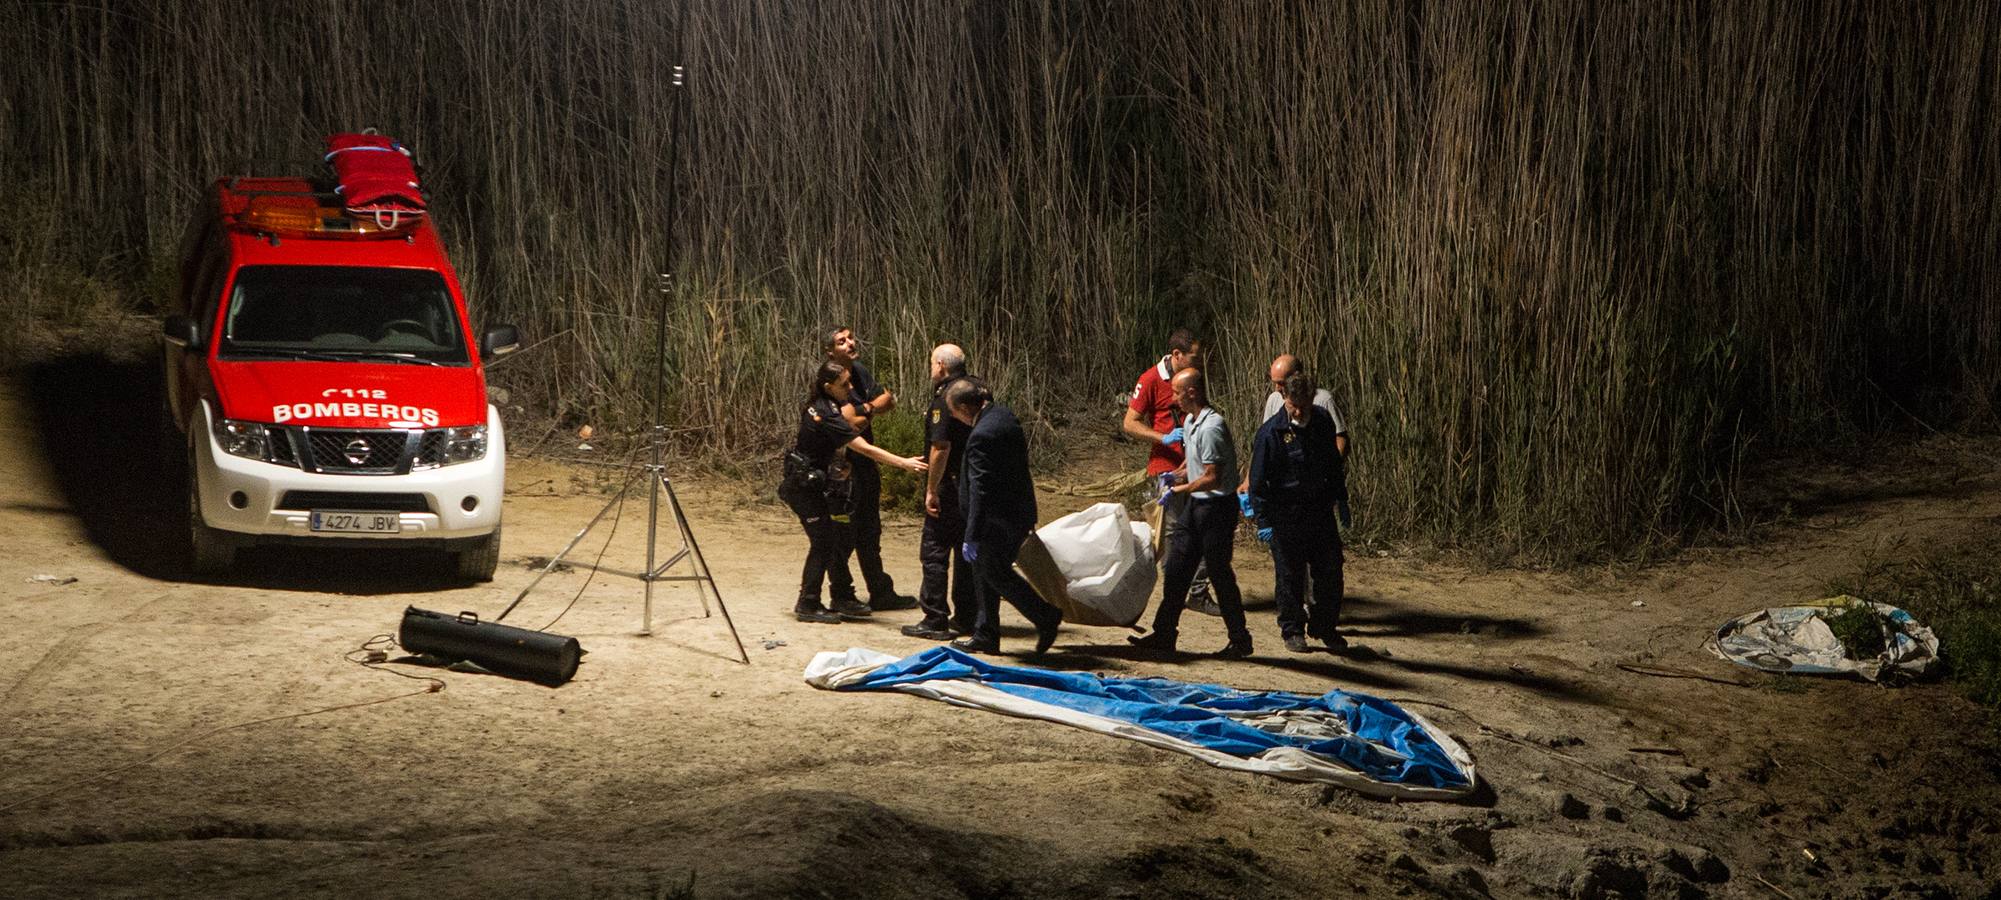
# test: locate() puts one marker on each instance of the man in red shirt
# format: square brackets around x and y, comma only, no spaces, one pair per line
[1152,417]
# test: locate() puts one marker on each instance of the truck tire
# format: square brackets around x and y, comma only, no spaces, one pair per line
[478,561]
[210,552]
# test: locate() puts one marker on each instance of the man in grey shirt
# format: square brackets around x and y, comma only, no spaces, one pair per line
[1208,533]
[1284,366]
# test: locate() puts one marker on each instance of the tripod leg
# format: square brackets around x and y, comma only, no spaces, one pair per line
[687,545]
[702,563]
[616,499]
[652,528]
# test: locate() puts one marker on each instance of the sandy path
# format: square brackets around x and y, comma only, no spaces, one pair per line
[667,760]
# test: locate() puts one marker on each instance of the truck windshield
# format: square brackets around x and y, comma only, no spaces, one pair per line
[342,312]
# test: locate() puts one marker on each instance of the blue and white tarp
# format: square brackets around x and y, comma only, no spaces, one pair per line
[1352,740]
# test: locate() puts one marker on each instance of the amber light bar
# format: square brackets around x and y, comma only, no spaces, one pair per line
[280,214]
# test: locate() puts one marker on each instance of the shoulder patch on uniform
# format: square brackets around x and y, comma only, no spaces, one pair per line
[934,417]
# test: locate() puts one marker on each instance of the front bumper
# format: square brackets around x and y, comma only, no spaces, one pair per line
[246,496]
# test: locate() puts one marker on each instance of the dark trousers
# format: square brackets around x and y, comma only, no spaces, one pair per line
[939,554]
[997,578]
[1173,520]
[866,522]
[828,544]
[1204,541]
[1307,547]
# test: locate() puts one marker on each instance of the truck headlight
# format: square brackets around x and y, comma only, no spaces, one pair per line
[239,438]
[465,444]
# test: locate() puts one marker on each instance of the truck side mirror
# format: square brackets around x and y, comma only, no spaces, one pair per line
[181,331]
[498,341]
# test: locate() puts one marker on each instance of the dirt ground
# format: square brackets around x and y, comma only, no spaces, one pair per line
[667,768]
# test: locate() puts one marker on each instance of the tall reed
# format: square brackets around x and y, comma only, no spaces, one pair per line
[1561,262]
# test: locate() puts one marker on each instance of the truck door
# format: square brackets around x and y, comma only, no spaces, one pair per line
[185,369]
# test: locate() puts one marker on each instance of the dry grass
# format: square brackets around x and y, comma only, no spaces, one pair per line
[1562,262]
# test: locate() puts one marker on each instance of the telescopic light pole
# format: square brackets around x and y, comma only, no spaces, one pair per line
[655,471]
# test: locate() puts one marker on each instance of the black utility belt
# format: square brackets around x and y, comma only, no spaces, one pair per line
[800,469]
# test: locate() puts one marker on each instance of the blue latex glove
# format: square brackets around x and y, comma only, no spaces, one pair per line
[1264,534]
[1171,438]
[970,550]
[1244,503]
[1165,495]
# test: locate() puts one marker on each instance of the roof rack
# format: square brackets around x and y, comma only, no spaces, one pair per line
[298,207]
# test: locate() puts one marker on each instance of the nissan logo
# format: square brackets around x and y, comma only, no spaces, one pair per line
[356,451]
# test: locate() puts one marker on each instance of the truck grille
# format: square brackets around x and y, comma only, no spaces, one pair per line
[357,451]
[281,446]
[431,452]
[362,500]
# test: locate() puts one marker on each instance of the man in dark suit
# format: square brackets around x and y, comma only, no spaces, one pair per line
[999,498]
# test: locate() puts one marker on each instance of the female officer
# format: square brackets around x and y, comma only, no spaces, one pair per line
[817,488]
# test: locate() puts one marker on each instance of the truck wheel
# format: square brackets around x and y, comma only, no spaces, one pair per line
[479,561]
[210,552]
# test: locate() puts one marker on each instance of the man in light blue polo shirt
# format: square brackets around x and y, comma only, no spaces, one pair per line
[1207,534]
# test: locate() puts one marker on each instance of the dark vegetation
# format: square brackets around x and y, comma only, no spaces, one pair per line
[1566,265]
[1955,590]
[1859,628]
[901,431]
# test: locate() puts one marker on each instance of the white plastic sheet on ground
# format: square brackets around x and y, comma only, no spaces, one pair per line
[1095,564]
[832,670]
[1797,639]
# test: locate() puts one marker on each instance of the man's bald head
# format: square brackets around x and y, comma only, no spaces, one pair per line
[947,361]
[1191,390]
[1284,366]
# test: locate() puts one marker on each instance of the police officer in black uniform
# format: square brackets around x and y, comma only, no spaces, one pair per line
[870,400]
[818,487]
[1298,488]
[944,523]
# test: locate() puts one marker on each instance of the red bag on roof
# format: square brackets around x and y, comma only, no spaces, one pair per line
[376,176]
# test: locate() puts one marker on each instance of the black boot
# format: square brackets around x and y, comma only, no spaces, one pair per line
[852,609]
[1158,642]
[812,611]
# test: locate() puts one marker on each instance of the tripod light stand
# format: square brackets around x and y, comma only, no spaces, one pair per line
[655,471]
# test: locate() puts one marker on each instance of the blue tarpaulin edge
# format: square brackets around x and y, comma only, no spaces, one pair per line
[1385,744]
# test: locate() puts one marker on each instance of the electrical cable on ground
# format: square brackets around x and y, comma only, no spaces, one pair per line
[1671,672]
[1486,729]
[1775,888]
[616,515]
[374,645]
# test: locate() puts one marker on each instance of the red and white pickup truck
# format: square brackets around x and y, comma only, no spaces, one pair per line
[322,370]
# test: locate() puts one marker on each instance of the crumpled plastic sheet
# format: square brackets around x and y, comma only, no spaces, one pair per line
[1797,639]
